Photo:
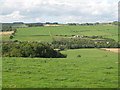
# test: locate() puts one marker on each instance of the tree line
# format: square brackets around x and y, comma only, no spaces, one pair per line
[72,43]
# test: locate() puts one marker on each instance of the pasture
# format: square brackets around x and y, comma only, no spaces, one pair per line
[47,33]
[5,38]
[83,68]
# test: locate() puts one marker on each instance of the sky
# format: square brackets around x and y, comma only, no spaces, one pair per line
[62,11]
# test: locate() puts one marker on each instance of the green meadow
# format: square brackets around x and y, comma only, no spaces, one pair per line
[83,68]
[94,68]
[47,33]
[5,37]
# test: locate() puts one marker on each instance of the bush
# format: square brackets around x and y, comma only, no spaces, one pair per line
[11,36]
[78,55]
[15,41]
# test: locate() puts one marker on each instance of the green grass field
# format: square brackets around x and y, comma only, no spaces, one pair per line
[47,33]
[94,69]
[5,37]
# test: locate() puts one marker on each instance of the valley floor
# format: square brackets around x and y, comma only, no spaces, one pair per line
[83,68]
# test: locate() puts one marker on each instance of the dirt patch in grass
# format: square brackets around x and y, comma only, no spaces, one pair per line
[116,50]
[6,33]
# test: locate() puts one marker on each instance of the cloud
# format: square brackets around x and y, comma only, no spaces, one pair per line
[15,16]
[59,10]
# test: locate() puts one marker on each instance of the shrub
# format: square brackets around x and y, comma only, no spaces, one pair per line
[78,55]
[15,41]
[11,36]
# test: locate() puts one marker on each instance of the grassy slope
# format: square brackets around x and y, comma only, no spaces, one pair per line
[37,33]
[5,37]
[95,68]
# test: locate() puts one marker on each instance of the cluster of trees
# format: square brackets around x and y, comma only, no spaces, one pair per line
[29,49]
[39,24]
[89,37]
[18,22]
[34,24]
[72,43]
[84,24]
[72,24]
[51,23]
[87,24]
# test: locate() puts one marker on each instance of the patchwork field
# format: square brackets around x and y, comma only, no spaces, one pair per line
[83,68]
[48,33]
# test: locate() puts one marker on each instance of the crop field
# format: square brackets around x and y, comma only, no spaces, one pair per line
[83,68]
[48,33]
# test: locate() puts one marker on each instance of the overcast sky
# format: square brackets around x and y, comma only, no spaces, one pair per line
[63,11]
